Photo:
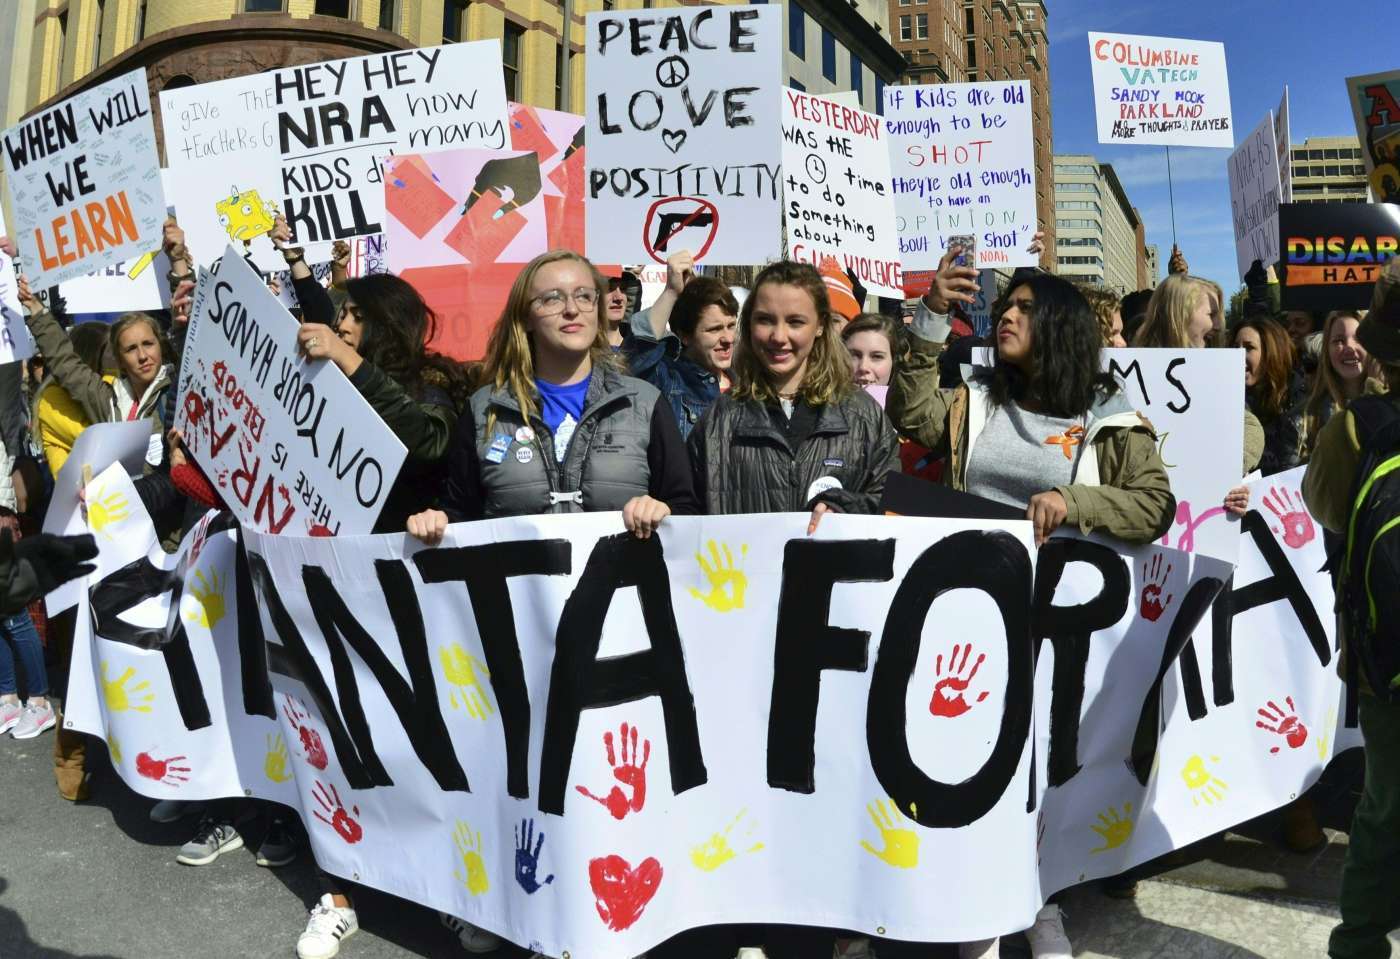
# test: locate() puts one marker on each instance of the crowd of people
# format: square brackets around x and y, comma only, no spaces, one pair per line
[786,396]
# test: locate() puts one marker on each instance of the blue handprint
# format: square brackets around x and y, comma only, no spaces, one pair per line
[527,861]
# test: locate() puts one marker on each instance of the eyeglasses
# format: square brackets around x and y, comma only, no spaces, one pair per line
[552,302]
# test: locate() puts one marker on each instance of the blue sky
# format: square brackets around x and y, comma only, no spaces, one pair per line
[1267,44]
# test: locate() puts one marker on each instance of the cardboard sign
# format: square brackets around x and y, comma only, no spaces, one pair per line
[1160,90]
[1375,103]
[683,134]
[1283,139]
[963,162]
[1254,196]
[15,341]
[837,200]
[283,437]
[84,179]
[1333,253]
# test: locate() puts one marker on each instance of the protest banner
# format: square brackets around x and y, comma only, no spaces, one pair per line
[1255,195]
[837,200]
[1333,253]
[684,148]
[1375,104]
[282,437]
[308,142]
[84,180]
[1160,90]
[1283,140]
[414,706]
[963,162]
[15,341]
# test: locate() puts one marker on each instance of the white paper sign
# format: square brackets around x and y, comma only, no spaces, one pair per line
[683,134]
[1160,90]
[836,191]
[962,157]
[292,446]
[1283,139]
[1254,196]
[84,179]
[15,341]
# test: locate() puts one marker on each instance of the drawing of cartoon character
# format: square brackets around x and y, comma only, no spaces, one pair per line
[245,215]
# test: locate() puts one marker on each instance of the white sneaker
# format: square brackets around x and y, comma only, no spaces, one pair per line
[474,940]
[852,949]
[328,926]
[9,715]
[983,949]
[1047,937]
[34,720]
[751,952]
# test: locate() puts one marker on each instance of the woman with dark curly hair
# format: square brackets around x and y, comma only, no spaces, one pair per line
[1275,391]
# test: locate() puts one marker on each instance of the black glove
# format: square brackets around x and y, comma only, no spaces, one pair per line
[40,564]
[1257,275]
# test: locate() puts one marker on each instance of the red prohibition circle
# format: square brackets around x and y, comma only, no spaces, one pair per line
[701,207]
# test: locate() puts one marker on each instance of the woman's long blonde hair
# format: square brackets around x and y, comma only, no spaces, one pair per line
[510,354]
[1169,312]
[1328,387]
[827,378]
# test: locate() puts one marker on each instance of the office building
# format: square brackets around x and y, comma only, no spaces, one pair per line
[1153,266]
[1329,170]
[1098,233]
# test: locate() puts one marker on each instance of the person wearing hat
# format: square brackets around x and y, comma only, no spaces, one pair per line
[1370,905]
[841,291]
[619,303]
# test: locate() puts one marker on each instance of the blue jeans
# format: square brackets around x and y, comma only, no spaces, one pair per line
[18,630]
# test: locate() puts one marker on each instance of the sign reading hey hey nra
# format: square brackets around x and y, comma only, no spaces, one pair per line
[1160,90]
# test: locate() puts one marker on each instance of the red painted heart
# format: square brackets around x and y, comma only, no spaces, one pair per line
[623,892]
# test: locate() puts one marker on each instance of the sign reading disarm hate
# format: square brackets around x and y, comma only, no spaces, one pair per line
[1160,90]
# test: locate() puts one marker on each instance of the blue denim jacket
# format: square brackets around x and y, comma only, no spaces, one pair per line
[687,386]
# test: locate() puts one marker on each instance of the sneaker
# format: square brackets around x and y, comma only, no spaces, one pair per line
[278,847]
[852,949]
[751,952]
[211,840]
[9,715]
[473,940]
[171,810]
[983,949]
[33,721]
[1047,937]
[328,926]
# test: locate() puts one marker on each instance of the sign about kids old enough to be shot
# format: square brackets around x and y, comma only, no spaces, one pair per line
[1161,90]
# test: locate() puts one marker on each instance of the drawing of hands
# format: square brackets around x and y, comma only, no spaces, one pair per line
[106,511]
[275,762]
[948,692]
[627,772]
[1283,723]
[901,844]
[120,699]
[727,581]
[527,860]
[716,851]
[1113,828]
[1204,785]
[460,669]
[516,180]
[208,606]
[1153,606]
[1292,515]
[328,798]
[472,872]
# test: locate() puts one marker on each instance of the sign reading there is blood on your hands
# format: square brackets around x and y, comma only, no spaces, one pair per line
[84,180]
[684,149]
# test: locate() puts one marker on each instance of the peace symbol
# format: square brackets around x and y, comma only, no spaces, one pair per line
[672,71]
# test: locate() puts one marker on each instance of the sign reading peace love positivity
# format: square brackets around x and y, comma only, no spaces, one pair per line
[587,742]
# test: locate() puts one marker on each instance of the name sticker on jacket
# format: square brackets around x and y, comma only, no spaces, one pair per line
[499,445]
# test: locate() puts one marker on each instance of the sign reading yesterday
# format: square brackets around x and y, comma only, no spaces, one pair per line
[84,179]
[684,148]
[1255,196]
[836,191]
[1160,90]
[962,157]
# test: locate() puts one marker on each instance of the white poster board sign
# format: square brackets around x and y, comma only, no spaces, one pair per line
[1283,139]
[1255,195]
[1160,90]
[683,134]
[84,180]
[837,201]
[15,341]
[284,438]
[962,157]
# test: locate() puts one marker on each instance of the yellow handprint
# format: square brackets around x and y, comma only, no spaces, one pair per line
[103,512]
[208,606]
[119,698]
[1324,739]
[716,851]
[727,581]
[1204,785]
[460,668]
[1114,829]
[468,845]
[275,763]
[115,748]
[901,844]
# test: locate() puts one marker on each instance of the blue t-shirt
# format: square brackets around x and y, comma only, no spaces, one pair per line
[561,407]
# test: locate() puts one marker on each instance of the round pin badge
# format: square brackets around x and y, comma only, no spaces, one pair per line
[821,485]
[524,435]
[524,455]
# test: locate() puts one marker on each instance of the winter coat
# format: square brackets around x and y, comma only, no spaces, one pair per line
[1283,434]
[744,460]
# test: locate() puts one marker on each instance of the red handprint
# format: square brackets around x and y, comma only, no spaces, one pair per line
[1292,515]
[628,773]
[310,738]
[621,891]
[161,770]
[948,692]
[328,798]
[1153,606]
[1285,724]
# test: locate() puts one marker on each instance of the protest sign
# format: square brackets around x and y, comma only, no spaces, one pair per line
[907,749]
[15,341]
[683,134]
[282,437]
[1254,196]
[963,162]
[1375,104]
[836,191]
[1333,253]
[84,179]
[1160,90]
[557,139]
[1283,139]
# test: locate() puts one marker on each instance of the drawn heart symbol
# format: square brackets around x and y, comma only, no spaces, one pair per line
[623,892]
[674,139]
